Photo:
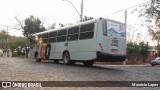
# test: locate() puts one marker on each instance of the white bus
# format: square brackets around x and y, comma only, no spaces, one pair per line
[97,39]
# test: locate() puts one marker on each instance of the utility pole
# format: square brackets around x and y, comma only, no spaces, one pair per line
[80,14]
[125,22]
[81,17]
[7,43]
[125,15]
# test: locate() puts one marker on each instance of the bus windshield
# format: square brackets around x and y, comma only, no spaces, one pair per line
[114,29]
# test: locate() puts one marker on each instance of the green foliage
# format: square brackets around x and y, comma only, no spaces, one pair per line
[150,12]
[32,25]
[61,25]
[13,41]
[144,49]
[87,18]
[3,38]
[53,26]
[134,49]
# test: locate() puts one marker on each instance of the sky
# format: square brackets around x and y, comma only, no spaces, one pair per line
[59,11]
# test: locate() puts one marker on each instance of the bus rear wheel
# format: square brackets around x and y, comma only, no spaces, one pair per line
[37,58]
[88,63]
[66,59]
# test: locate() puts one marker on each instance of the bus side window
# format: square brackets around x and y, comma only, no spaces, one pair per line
[105,28]
[62,32]
[52,36]
[52,40]
[73,34]
[73,30]
[45,35]
[62,35]
[87,31]
[45,38]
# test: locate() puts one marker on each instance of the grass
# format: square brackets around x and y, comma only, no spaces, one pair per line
[21,56]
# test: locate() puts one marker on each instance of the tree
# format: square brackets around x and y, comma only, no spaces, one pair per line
[144,50]
[18,41]
[150,12]
[135,49]
[53,26]
[61,25]
[12,42]
[87,18]
[3,38]
[132,51]
[30,26]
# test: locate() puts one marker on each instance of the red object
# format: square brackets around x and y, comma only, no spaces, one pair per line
[100,45]
[114,50]
[42,48]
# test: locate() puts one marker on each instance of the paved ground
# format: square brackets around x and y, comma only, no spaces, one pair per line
[16,69]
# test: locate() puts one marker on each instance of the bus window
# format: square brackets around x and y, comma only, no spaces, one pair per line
[73,34]
[62,33]
[87,31]
[52,34]
[72,37]
[114,29]
[104,28]
[87,35]
[52,40]
[45,40]
[88,27]
[61,39]
[73,30]
[45,35]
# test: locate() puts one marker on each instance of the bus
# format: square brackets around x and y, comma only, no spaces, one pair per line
[94,40]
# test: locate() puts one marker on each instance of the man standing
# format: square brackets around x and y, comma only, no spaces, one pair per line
[4,51]
[27,51]
[7,52]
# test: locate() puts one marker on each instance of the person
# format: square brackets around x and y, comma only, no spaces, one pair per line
[4,51]
[27,51]
[7,52]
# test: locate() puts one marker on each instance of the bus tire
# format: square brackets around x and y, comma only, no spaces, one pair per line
[37,58]
[88,63]
[66,58]
[47,51]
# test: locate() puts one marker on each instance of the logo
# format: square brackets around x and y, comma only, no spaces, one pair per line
[6,84]
[115,42]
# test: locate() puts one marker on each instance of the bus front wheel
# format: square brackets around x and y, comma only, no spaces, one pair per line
[88,63]
[66,58]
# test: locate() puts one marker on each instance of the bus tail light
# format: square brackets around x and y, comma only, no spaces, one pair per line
[101,47]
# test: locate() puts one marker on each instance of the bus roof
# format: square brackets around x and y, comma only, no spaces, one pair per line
[77,24]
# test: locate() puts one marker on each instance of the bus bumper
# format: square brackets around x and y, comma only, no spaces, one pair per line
[102,56]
